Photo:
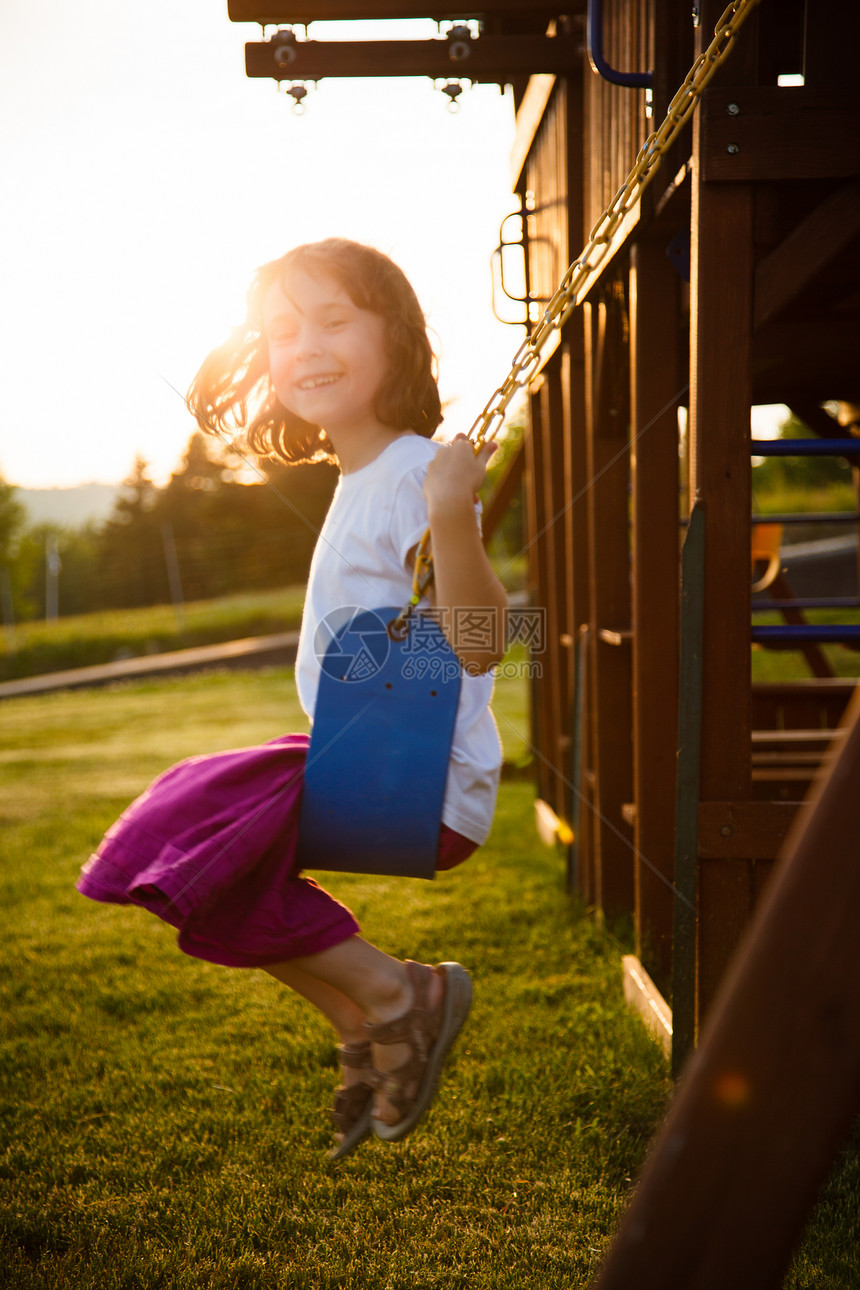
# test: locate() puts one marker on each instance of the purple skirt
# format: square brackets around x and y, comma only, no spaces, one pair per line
[210,847]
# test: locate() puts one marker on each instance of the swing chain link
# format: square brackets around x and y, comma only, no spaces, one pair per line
[571,290]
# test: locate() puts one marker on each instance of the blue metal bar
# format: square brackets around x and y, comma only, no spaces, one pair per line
[809,517]
[837,602]
[594,41]
[827,633]
[805,447]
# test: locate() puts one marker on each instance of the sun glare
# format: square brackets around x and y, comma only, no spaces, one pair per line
[138,219]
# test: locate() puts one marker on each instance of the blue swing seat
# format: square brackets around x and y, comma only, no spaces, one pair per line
[378,759]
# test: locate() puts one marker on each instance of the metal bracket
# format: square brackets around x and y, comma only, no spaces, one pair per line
[498,267]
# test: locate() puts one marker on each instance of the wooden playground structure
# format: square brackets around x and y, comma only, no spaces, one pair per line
[678,790]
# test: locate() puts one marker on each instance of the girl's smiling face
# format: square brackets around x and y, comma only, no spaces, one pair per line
[327,357]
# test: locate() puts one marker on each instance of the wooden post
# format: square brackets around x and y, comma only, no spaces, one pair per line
[576,547]
[576,506]
[557,660]
[654,396]
[763,1107]
[609,663]
[688,779]
[541,723]
[721,317]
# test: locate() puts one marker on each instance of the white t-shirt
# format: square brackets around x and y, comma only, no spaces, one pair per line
[377,515]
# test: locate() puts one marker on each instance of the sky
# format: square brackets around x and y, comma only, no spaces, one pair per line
[144,177]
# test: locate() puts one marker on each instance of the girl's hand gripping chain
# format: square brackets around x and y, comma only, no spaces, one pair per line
[468,596]
[456,473]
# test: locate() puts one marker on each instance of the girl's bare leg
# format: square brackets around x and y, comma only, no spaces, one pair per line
[345,1016]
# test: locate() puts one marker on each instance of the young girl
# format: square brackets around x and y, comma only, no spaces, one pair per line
[332,362]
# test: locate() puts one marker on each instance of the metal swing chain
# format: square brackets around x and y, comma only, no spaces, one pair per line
[570,291]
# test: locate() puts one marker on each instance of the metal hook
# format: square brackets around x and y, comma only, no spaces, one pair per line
[398,628]
[298,93]
[453,89]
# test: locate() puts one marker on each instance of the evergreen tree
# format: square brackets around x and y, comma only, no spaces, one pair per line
[12,517]
[130,546]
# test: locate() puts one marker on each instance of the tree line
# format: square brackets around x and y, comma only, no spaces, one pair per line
[208,532]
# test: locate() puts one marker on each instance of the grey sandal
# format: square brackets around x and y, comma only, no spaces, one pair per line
[412,1086]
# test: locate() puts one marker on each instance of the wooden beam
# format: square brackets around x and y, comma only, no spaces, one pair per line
[302,12]
[830,39]
[741,830]
[761,133]
[530,115]
[807,250]
[813,357]
[486,58]
[799,739]
[765,1105]
[551,828]
[779,705]
[642,994]
[818,419]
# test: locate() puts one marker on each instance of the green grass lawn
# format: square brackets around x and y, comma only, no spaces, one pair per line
[164,1121]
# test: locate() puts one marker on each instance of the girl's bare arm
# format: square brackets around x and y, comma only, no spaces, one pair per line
[470,599]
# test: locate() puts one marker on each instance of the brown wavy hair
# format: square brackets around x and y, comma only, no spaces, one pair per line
[232,395]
